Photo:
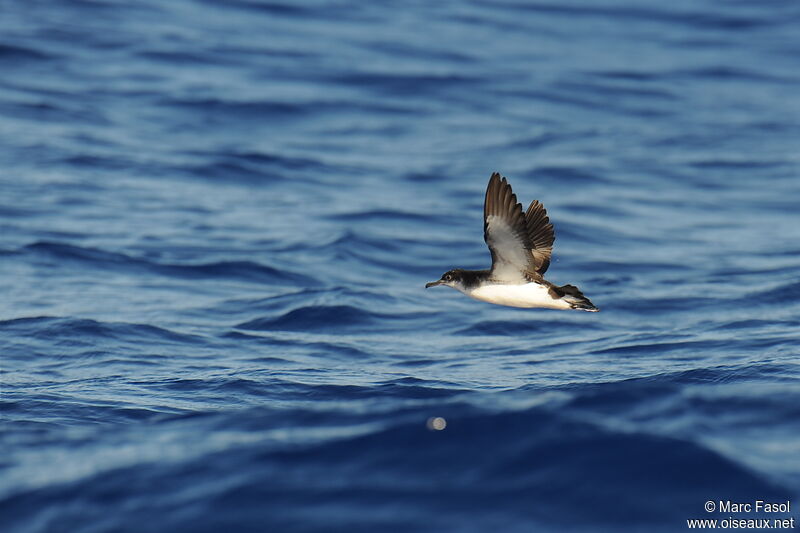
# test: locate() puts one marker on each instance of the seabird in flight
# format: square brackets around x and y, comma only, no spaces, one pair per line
[521,244]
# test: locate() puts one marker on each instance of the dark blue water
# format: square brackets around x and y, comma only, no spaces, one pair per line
[217,218]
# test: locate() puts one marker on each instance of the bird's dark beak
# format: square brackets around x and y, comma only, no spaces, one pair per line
[433,284]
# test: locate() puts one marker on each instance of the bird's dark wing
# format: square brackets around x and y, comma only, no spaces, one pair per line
[540,235]
[520,243]
[505,230]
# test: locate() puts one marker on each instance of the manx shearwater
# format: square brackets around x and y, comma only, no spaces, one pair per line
[521,243]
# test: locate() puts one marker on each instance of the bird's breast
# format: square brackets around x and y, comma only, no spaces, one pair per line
[525,295]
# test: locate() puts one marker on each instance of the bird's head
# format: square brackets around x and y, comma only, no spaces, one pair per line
[451,278]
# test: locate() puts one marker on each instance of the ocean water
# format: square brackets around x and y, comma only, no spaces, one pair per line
[217,219]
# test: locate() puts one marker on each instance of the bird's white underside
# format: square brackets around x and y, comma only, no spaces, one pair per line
[526,295]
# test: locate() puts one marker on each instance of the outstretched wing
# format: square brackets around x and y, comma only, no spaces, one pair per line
[520,242]
[541,235]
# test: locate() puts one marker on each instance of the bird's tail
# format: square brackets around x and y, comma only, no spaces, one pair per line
[575,298]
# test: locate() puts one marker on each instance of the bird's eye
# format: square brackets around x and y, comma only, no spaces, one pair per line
[448,277]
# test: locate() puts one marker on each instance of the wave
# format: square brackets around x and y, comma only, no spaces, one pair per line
[268,7]
[405,84]
[255,167]
[532,468]
[10,52]
[666,347]
[570,176]
[624,12]
[231,171]
[259,110]
[518,327]
[54,111]
[317,318]
[262,159]
[332,350]
[50,328]
[420,51]
[616,91]
[785,292]
[387,216]
[756,323]
[238,270]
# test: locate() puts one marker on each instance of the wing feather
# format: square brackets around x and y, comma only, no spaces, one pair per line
[541,235]
[520,242]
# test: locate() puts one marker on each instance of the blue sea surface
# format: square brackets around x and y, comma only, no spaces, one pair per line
[217,220]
